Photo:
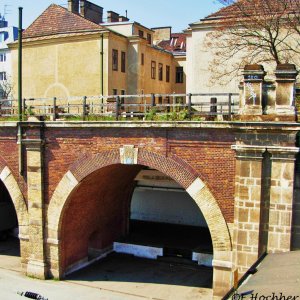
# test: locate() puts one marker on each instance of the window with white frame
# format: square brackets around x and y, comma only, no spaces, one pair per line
[2,76]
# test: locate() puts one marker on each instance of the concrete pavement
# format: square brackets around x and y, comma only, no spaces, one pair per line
[278,276]
[119,277]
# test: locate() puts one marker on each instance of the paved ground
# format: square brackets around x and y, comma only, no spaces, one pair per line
[118,277]
[10,254]
[278,273]
[147,278]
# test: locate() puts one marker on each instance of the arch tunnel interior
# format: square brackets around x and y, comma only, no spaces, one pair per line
[137,213]
[9,242]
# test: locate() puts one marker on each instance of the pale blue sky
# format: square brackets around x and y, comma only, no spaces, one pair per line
[151,13]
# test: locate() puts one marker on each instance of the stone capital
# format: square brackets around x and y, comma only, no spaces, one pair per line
[283,153]
[249,152]
[33,144]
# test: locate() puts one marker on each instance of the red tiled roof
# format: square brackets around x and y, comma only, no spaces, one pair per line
[177,43]
[255,7]
[58,20]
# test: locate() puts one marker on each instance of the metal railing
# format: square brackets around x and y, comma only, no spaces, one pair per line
[117,107]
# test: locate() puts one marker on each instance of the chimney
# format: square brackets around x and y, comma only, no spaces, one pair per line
[73,6]
[91,11]
[112,17]
[161,34]
[123,19]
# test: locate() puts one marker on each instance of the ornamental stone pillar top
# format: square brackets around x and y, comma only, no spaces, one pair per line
[251,103]
[285,88]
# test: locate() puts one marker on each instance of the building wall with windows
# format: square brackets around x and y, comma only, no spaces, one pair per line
[117,64]
[62,67]
[8,34]
[200,55]
[91,62]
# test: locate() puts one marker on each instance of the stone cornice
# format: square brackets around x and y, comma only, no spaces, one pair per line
[239,126]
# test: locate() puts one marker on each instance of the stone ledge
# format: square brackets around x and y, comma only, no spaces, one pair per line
[238,124]
[222,264]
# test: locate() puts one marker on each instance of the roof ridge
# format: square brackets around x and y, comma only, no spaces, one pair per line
[58,20]
[231,12]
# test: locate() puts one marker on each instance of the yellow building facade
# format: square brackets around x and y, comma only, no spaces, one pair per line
[66,55]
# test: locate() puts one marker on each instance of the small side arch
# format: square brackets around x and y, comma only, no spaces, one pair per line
[17,198]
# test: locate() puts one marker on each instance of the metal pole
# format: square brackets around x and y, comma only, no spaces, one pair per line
[20,93]
[20,65]
[102,65]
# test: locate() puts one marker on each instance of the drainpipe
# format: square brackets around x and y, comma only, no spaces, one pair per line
[102,67]
[20,113]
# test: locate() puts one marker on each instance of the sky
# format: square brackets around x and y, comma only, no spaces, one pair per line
[150,13]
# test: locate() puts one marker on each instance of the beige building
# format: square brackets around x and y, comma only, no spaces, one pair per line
[71,53]
[201,45]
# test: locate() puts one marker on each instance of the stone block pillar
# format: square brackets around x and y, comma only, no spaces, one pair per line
[223,273]
[281,199]
[251,103]
[36,265]
[285,89]
[296,208]
[247,209]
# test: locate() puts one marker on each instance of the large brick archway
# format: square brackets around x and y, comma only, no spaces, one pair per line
[17,198]
[172,166]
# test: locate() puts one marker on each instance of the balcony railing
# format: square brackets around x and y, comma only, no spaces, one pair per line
[119,107]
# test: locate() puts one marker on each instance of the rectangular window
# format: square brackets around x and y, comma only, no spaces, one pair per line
[160,71]
[179,74]
[2,57]
[149,38]
[167,73]
[2,76]
[123,62]
[115,55]
[142,59]
[153,69]
[115,92]
[141,34]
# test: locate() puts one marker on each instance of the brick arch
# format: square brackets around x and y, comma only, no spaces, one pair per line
[17,198]
[172,166]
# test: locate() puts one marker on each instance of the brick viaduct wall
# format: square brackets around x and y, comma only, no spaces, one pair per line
[241,175]
[211,158]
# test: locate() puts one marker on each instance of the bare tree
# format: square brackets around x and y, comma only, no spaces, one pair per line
[6,88]
[253,31]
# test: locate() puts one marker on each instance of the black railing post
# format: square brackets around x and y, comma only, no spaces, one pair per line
[117,107]
[190,105]
[213,105]
[84,108]
[229,106]
[152,100]
[24,106]
[54,109]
